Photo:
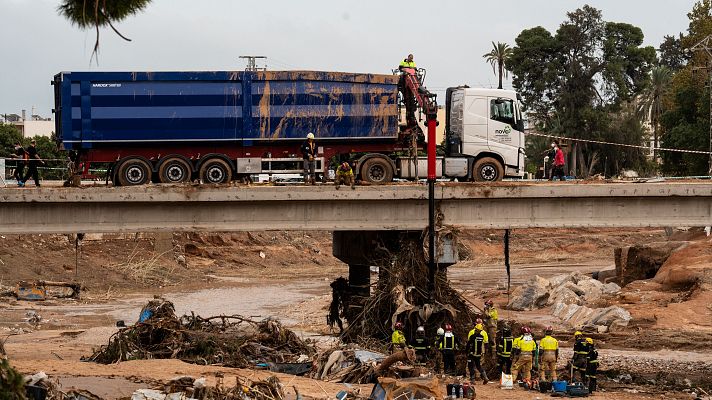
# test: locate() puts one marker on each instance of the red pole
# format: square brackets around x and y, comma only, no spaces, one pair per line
[432,123]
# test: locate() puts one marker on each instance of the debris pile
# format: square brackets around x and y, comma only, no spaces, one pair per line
[226,340]
[347,364]
[570,296]
[401,295]
[186,387]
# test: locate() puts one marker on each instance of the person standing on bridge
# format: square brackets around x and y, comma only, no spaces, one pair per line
[557,168]
[33,160]
[20,156]
[309,155]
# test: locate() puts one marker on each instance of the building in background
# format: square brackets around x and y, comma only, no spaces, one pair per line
[29,127]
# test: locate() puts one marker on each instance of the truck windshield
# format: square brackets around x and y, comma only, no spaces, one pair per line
[502,110]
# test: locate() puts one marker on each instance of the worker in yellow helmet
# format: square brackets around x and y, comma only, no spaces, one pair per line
[591,366]
[523,349]
[549,354]
[580,358]
[477,343]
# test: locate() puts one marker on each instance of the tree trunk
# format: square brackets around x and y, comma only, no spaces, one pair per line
[501,70]
[573,164]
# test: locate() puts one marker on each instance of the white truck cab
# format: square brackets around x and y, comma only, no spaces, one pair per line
[486,127]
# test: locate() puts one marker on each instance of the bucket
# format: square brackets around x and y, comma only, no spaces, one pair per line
[559,386]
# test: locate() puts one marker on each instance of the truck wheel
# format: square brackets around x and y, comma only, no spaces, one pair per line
[377,170]
[215,171]
[174,170]
[133,172]
[487,169]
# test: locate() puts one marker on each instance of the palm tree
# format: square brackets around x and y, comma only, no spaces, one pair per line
[498,57]
[651,100]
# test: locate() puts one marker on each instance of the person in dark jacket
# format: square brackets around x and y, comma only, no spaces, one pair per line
[20,155]
[309,155]
[591,366]
[33,159]
[505,344]
[421,345]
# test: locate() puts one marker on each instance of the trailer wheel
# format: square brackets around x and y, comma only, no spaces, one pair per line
[174,170]
[376,170]
[133,172]
[487,169]
[215,171]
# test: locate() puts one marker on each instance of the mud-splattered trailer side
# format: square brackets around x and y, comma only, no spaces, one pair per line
[166,126]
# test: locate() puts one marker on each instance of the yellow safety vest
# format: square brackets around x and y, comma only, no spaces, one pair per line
[525,346]
[482,332]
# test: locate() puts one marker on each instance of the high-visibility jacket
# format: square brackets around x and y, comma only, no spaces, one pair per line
[476,341]
[492,316]
[342,172]
[407,64]
[420,343]
[525,344]
[482,332]
[549,343]
[447,342]
[504,347]
[397,337]
[581,347]
[592,356]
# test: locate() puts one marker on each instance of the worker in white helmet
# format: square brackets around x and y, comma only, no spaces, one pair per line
[309,156]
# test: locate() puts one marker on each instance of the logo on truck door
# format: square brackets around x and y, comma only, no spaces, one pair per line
[105,85]
[506,131]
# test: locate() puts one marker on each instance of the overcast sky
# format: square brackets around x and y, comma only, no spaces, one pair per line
[447,37]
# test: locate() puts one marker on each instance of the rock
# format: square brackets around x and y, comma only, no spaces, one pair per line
[591,288]
[642,261]
[181,260]
[574,288]
[611,288]
[687,266]
[602,329]
[579,316]
[563,295]
[530,295]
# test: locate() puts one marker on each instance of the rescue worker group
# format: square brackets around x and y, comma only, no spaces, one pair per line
[519,359]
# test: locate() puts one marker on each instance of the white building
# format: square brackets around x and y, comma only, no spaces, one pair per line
[34,126]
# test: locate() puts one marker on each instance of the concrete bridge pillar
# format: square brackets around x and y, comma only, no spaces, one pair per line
[360,250]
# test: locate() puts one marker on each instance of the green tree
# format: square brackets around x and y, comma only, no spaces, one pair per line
[573,80]
[671,53]
[651,100]
[9,135]
[498,57]
[685,123]
[95,14]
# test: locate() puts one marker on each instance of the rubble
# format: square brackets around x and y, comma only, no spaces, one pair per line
[231,341]
[600,319]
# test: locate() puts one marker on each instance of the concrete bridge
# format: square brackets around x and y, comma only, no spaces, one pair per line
[399,207]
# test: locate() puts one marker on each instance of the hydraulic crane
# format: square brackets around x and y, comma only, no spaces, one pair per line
[416,95]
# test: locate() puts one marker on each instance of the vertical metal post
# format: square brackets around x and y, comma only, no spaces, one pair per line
[432,266]
[709,69]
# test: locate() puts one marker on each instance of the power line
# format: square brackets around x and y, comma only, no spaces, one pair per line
[635,146]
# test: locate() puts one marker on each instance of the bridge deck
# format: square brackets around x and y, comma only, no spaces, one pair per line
[391,207]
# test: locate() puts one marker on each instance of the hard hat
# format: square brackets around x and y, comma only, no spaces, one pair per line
[525,329]
[589,340]
[310,135]
[578,334]
[448,327]
[549,329]
[420,329]
[478,326]
[441,331]
[399,325]
[489,303]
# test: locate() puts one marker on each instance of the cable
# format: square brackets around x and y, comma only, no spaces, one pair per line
[618,144]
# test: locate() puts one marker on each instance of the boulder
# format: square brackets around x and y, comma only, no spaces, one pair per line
[563,295]
[581,316]
[687,266]
[611,288]
[531,295]
[591,288]
[642,261]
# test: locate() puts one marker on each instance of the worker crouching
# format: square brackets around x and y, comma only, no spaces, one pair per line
[345,176]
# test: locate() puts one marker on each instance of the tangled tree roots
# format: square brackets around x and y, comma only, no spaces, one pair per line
[401,295]
[231,341]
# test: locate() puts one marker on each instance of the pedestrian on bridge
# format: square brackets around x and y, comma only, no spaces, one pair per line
[20,156]
[557,169]
[309,151]
[33,160]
